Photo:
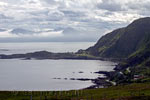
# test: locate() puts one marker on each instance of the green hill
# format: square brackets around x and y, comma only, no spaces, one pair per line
[122,42]
[132,43]
[137,64]
[140,91]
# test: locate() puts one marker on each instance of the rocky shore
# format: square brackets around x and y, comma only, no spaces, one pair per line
[102,82]
[41,55]
[99,82]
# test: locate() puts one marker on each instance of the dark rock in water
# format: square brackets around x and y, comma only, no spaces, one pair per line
[57,78]
[72,79]
[102,72]
[101,82]
[4,50]
[81,79]
[65,78]
[106,73]
[54,78]
[81,72]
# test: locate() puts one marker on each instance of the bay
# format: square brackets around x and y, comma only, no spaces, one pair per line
[42,75]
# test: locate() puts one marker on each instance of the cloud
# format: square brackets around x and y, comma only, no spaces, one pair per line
[7,34]
[4,17]
[49,2]
[68,19]
[49,34]
[3,4]
[110,5]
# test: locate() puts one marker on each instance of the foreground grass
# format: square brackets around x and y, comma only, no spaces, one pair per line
[137,91]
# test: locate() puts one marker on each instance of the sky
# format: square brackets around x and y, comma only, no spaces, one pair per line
[66,20]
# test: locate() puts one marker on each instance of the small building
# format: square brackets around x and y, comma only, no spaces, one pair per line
[137,77]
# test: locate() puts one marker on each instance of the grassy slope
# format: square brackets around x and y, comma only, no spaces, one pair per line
[105,43]
[138,63]
[126,92]
[131,42]
[122,42]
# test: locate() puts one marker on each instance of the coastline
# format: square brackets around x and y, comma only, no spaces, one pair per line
[98,82]
[41,55]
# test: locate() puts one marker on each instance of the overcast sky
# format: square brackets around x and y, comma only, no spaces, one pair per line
[66,20]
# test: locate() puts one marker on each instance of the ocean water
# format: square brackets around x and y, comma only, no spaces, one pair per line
[17,74]
[13,48]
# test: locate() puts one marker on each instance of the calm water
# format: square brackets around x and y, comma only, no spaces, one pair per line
[16,74]
[12,48]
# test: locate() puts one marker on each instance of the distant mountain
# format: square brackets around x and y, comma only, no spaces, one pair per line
[69,30]
[21,31]
[122,42]
[2,30]
[131,42]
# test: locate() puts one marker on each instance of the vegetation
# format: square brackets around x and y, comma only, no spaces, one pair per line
[123,92]
[123,42]
[138,64]
[132,74]
[131,43]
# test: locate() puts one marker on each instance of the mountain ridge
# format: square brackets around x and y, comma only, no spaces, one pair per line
[122,42]
[131,43]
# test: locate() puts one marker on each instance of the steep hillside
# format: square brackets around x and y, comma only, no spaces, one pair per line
[136,68]
[132,43]
[122,42]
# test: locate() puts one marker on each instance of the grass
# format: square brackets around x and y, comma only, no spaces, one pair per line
[134,91]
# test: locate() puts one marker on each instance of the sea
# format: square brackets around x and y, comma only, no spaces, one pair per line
[48,75]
